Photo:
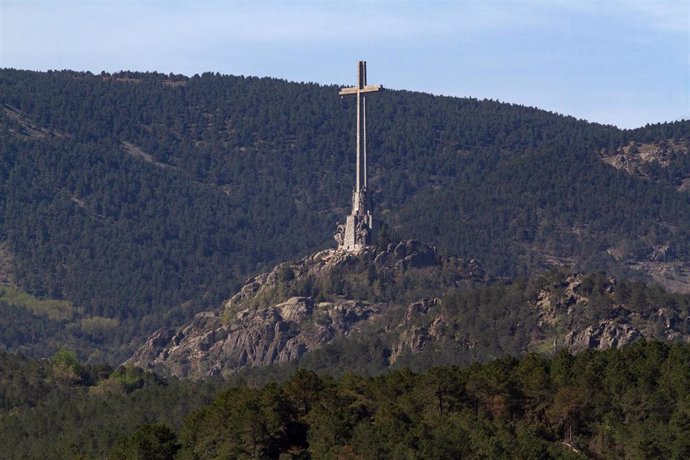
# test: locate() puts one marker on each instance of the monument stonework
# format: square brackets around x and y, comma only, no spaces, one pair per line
[357,232]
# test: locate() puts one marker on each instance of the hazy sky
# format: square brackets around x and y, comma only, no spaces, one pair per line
[621,62]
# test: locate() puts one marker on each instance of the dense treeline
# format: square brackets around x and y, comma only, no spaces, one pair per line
[59,408]
[144,198]
[629,403]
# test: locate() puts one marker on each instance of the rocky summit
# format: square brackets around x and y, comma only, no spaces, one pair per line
[300,306]
[415,307]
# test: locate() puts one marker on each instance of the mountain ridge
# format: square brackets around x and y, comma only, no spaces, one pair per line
[256,161]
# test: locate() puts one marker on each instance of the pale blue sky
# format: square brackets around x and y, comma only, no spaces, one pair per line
[621,62]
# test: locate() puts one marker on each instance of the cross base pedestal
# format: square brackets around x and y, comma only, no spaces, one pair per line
[357,233]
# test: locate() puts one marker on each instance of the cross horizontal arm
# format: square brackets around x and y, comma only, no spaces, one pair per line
[355,90]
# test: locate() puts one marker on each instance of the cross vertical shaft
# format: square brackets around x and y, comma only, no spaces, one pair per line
[356,233]
[360,91]
[361,178]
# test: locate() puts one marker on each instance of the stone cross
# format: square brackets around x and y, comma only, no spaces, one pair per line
[357,231]
[360,91]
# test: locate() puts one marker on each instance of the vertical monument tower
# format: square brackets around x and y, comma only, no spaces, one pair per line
[357,231]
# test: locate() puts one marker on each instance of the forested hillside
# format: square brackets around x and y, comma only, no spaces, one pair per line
[139,199]
[630,403]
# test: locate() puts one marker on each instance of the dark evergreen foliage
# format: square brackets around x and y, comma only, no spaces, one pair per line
[145,198]
[629,403]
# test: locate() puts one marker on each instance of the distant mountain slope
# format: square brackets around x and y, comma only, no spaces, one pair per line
[144,198]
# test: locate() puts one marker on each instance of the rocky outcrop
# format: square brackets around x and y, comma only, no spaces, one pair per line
[299,307]
[560,299]
[406,254]
[412,337]
[605,335]
[280,333]
[565,315]
[631,157]
[256,328]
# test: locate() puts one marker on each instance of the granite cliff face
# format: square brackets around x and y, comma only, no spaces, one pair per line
[265,323]
[400,296]
[599,317]
[633,157]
